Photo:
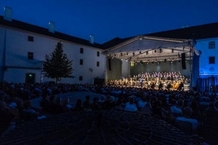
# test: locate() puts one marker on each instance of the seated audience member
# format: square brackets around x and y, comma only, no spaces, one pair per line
[6,119]
[141,103]
[87,104]
[187,118]
[44,103]
[29,113]
[78,106]
[180,104]
[120,105]
[211,108]
[130,106]
[174,109]
[95,104]
[195,109]
[156,108]
[58,107]
[67,106]
[108,103]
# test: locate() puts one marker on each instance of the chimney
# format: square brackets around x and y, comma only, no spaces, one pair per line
[51,27]
[7,13]
[92,41]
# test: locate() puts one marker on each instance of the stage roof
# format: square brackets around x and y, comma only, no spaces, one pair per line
[151,49]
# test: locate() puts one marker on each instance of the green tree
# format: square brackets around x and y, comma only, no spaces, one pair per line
[57,65]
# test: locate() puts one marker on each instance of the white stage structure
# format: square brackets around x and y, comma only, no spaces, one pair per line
[146,49]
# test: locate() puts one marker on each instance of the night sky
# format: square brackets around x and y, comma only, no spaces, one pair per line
[107,19]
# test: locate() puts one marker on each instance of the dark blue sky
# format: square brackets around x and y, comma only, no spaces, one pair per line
[107,19]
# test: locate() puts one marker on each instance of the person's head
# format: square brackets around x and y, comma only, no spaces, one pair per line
[180,103]
[78,102]
[27,104]
[173,102]
[216,104]
[187,112]
[131,100]
[3,105]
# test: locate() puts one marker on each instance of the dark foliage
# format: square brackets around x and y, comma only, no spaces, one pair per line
[57,65]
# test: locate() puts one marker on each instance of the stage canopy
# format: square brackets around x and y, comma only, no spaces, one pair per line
[151,49]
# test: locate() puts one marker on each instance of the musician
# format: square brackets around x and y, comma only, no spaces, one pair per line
[160,86]
[181,86]
[169,86]
[152,85]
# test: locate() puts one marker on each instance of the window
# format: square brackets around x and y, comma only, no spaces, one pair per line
[97,64]
[211,45]
[80,78]
[30,38]
[30,55]
[81,61]
[212,60]
[98,53]
[81,50]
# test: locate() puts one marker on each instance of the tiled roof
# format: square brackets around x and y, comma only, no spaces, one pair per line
[194,32]
[40,30]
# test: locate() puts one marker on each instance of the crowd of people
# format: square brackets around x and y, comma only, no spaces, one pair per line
[153,80]
[172,106]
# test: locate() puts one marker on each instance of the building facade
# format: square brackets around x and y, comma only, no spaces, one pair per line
[23,48]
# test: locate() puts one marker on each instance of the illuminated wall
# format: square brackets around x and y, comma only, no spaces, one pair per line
[208,48]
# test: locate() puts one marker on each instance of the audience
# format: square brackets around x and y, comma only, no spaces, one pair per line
[170,105]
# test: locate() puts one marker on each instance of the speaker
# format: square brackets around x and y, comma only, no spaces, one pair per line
[109,64]
[183,61]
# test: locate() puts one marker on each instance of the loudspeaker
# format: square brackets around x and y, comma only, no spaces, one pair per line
[183,61]
[109,64]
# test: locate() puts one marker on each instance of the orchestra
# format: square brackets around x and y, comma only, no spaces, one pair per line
[153,80]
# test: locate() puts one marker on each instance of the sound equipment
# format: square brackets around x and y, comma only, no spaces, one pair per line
[183,61]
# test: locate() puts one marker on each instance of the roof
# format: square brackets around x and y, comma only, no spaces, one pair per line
[44,31]
[150,48]
[194,32]
[114,42]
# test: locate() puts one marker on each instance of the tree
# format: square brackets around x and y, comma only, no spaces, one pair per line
[57,65]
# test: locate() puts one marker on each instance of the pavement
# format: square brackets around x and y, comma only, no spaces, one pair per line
[72,96]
